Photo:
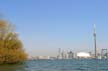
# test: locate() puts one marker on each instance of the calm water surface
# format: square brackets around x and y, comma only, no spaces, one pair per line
[59,65]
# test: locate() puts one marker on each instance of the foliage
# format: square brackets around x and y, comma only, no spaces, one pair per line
[11,48]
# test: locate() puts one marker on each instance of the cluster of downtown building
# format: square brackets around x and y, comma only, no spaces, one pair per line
[63,54]
[100,54]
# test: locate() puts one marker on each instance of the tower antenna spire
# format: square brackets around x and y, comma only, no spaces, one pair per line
[95,47]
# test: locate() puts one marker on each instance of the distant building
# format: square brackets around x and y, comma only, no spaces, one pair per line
[104,53]
[83,55]
[64,54]
[59,54]
[40,57]
[70,55]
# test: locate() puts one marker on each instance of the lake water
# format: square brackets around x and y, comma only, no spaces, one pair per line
[59,65]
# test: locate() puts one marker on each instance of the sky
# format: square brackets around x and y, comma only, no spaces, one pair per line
[46,25]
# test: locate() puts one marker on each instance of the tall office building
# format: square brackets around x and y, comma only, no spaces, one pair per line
[104,53]
[64,54]
[59,54]
[70,55]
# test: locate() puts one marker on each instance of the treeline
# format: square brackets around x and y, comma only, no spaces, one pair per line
[11,47]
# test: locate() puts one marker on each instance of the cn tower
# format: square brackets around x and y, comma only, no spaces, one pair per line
[94,34]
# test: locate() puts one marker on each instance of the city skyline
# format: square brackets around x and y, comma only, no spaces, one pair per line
[46,25]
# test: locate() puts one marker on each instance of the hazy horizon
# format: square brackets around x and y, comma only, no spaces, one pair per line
[46,25]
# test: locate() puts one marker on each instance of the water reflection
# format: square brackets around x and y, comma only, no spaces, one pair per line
[13,67]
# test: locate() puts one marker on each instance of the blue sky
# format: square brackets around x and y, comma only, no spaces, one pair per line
[46,25]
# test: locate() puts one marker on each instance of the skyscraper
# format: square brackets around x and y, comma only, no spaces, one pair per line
[59,54]
[70,55]
[104,53]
